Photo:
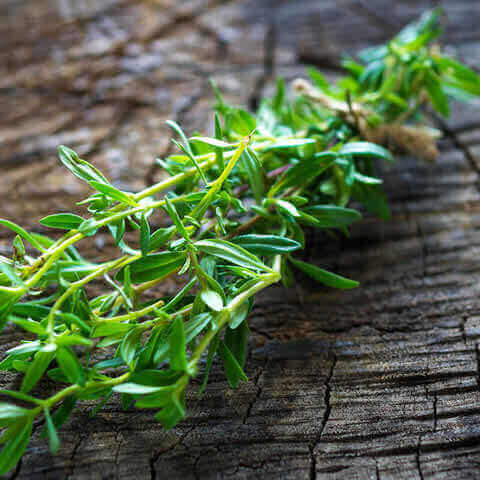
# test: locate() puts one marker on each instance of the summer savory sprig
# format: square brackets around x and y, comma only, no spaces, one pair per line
[238,203]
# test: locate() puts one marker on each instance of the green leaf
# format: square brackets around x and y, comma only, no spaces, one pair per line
[178,129]
[153,266]
[37,368]
[366,149]
[64,221]
[233,370]
[288,208]
[11,412]
[191,156]
[215,142]
[19,396]
[137,389]
[212,299]
[70,365]
[171,210]
[62,414]
[177,346]
[29,325]
[16,445]
[436,94]
[159,397]
[23,233]
[242,122]
[236,341]
[279,97]
[212,349]
[373,198]
[329,216]
[88,227]
[266,244]
[254,174]
[318,78]
[130,345]
[239,315]
[80,168]
[218,151]
[53,440]
[306,170]
[112,192]
[195,325]
[290,143]
[171,414]
[144,235]
[156,378]
[10,273]
[230,252]
[160,237]
[323,276]
[107,329]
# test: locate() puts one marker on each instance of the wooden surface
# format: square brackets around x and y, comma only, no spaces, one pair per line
[377,383]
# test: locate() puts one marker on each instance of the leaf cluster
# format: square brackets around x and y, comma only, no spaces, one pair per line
[238,205]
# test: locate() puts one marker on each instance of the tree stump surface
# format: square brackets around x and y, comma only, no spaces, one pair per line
[382,382]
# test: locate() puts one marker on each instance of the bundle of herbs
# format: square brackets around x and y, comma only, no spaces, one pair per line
[238,204]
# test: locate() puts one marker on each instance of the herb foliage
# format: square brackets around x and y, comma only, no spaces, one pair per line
[238,204]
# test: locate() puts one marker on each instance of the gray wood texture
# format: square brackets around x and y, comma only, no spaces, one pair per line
[377,383]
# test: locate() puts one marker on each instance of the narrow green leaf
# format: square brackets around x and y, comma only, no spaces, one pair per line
[290,143]
[37,368]
[10,273]
[177,347]
[23,233]
[62,413]
[144,235]
[171,414]
[219,151]
[195,325]
[153,266]
[242,122]
[110,328]
[29,325]
[212,299]
[137,389]
[329,216]
[366,149]
[160,237]
[11,412]
[288,208]
[70,365]
[323,276]
[112,192]
[230,252]
[53,440]
[191,156]
[212,350]
[254,174]
[215,142]
[233,370]
[236,341]
[266,244]
[171,210]
[130,345]
[15,447]
[80,168]
[436,94]
[239,315]
[64,221]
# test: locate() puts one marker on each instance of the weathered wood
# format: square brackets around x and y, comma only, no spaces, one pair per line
[380,382]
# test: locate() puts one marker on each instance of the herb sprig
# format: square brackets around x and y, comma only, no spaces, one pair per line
[238,204]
